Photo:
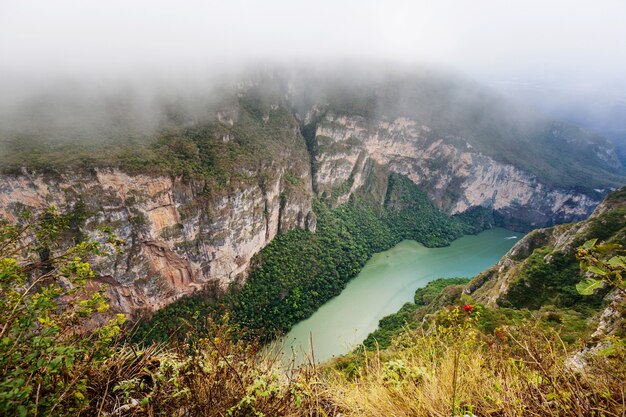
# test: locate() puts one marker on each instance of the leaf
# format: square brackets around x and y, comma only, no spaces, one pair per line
[589,244]
[617,261]
[588,285]
[596,270]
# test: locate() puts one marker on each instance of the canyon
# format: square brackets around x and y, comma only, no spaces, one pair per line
[185,232]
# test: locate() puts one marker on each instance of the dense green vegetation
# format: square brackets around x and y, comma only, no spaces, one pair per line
[427,294]
[393,324]
[411,215]
[548,277]
[481,218]
[299,271]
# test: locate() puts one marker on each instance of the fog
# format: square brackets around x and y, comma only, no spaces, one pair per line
[111,38]
[108,47]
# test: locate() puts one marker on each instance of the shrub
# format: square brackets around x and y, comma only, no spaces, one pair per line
[48,334]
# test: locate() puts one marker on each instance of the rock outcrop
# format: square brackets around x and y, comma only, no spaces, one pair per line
[178,237]
[455,176]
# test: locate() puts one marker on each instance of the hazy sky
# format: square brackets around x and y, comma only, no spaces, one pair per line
[562,39]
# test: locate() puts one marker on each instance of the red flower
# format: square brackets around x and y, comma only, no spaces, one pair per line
[468,308]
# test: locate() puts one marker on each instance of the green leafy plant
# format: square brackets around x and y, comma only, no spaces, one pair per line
[48,331]
[606,262]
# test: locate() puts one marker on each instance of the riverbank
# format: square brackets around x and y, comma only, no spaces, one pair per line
[387,281]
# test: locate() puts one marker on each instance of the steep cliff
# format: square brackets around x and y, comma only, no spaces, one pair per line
[198,193]
[456,177]
[177,238]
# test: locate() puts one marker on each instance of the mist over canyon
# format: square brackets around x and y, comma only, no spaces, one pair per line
[198,183]
[332,208]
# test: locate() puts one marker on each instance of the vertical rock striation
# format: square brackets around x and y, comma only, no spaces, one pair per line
[455,176]
[178,238]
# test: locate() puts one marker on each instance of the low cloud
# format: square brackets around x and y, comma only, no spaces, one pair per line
[115,45]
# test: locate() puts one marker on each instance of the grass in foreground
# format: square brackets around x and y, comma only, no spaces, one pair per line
[454,369]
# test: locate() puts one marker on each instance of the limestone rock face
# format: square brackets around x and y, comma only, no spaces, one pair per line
[182,234]
[178,237]
[455,176]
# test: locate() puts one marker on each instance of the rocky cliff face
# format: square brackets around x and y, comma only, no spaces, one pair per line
[455,176]
[178,238]
[607,222]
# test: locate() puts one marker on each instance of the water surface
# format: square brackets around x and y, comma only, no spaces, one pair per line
[387,281]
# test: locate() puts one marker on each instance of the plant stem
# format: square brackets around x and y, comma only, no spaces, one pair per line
[454,377]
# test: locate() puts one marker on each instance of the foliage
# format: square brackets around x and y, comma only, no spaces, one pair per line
[390,326]
[480,218]
[605,261]
[48,336]
[411,215]
[426,295]
[548,277]
[186,316]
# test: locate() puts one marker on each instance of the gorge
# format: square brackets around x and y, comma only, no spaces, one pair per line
[198,201]
[149,266]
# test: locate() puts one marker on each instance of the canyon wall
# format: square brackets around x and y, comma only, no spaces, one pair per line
[453,175]
[177,237]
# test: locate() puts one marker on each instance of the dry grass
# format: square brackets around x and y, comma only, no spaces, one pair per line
[449,369]
[214,376]
[520,372]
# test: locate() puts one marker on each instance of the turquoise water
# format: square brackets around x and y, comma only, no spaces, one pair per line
[387,281]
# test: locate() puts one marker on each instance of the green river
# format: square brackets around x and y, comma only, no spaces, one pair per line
[387,281]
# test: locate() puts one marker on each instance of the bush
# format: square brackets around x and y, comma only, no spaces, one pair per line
[49,335]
